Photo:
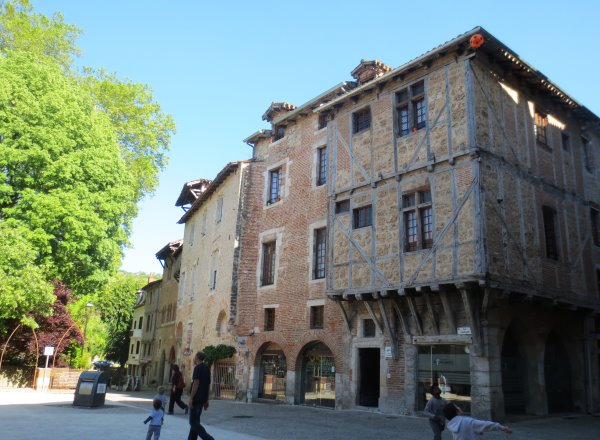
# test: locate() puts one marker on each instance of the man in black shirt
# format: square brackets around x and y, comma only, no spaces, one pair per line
[199,397]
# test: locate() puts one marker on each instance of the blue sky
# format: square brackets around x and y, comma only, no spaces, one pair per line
[217,66]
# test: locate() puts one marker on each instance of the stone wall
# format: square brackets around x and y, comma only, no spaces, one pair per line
[377,167]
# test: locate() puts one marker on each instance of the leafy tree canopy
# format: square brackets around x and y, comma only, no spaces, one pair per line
[221,351]
[78,150]
[66,187]
[23,286]
[115,303]
[57,330]
[23,30]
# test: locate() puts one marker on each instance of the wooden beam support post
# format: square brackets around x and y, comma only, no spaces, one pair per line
[391,332]
[426,295]
[398,309]
[448,311]
[475,330]
[373,315]
[346,317]
[413,311]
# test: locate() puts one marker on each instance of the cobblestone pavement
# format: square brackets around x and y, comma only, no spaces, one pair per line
[27,414]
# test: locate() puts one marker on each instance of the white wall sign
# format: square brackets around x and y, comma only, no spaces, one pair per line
[388,352]
[463,330]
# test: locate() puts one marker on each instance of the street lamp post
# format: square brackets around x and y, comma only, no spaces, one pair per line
[87,317]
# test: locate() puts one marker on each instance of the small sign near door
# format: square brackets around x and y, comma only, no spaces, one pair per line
[463,330]
[388,352]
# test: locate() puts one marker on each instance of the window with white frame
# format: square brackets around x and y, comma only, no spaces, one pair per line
[411,113]
[418,220]
[274,191]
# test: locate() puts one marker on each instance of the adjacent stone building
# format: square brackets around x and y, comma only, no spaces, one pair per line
[165,337]
[289,334]
[207,288]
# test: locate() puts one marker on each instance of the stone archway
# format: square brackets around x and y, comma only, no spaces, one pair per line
[317,375]
[272,373]
[557,372]
[514,369]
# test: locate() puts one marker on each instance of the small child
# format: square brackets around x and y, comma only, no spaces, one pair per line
[155,417]
[468,428]
[162,397]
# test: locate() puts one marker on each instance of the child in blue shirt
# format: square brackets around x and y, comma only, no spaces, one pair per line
[155,417]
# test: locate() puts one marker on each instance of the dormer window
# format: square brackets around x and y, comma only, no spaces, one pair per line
[279,132]
[323,120]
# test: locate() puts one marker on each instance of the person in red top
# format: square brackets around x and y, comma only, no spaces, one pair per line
[199,397]
[177,386]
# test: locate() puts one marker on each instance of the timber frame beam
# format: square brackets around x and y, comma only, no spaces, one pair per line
[469,305]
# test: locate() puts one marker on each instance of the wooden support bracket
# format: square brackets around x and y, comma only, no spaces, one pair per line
[347,319]
[475,330]
[398,309]
[373,315]
[413,311]
[430,313]
[448,311]
[391,332]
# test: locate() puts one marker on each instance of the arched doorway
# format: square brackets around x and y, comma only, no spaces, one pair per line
[318,376]
[272,376]
[557,372]
[513,373]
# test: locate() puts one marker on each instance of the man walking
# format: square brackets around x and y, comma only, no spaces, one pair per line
[199,397]
[435,411]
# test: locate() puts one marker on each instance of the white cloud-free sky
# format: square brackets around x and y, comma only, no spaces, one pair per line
[216,66]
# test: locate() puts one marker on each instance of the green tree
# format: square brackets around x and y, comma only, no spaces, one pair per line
[143,131]
[115,305]
[23,30]
[23,287]
[78,150]
[65,185]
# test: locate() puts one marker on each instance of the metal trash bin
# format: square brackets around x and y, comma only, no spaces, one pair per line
[91,389]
